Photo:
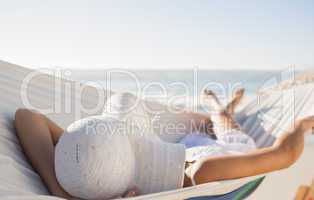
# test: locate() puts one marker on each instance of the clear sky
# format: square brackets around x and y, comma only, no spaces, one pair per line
[211,34]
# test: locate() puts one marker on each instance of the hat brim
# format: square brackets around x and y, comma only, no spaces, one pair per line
[159,165]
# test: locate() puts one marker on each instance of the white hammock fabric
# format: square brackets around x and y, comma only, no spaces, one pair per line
[264,120]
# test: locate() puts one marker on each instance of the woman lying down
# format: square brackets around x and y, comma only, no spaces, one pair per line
[106,156]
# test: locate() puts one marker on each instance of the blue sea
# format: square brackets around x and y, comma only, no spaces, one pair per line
[183,87]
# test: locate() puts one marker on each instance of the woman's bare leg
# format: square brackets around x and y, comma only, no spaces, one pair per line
[221,117]
[231,106]
[38,135]
[281,155]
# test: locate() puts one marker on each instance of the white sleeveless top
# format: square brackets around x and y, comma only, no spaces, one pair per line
[200,145]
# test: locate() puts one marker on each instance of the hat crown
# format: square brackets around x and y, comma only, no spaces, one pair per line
[101,155]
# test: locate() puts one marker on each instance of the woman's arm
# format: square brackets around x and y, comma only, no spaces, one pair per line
[281,155]
[38,135]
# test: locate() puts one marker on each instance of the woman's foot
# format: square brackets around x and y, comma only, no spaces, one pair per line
[238,96]
[212,100]
[239,93]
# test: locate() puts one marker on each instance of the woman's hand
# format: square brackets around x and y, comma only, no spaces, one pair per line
[130,193]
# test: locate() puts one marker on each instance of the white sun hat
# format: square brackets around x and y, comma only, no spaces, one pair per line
[100,157]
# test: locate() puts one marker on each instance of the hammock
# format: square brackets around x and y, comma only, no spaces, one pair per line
[264,119]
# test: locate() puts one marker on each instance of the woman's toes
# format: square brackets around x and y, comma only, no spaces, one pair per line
[240,92]
[209,92]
